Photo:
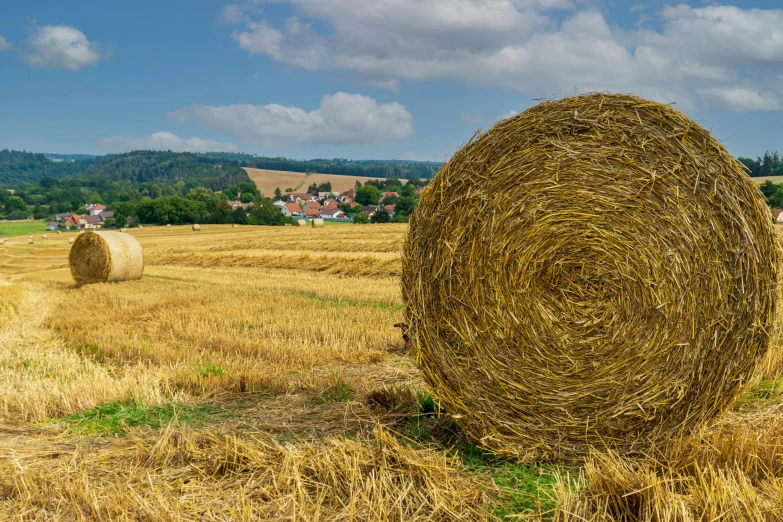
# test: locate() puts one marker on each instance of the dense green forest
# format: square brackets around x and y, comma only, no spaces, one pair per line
[194,170]
[768,165]
[370,168]
[18,168]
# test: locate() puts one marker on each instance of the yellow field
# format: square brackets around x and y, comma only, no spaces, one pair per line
[773,179]
[255,373]
[268,180]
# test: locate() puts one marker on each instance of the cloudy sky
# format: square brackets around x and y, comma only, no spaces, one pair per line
[410,79]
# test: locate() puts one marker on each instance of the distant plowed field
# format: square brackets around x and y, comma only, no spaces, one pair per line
[268,180]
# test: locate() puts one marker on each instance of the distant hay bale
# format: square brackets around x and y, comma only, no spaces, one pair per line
[300,223]
[318,223]
[234,226]
[196,227]
[141,226]
[102,257]
[2,241]
[29,241]
[58,232]
[43,236]
[168,225]
[594,272]
[123,230]
[71,240]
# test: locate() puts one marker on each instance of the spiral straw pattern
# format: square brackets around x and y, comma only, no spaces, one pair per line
[595,272]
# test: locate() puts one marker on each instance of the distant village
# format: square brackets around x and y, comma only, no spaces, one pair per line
[298,206]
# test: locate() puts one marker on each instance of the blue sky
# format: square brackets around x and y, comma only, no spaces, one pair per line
[369,79]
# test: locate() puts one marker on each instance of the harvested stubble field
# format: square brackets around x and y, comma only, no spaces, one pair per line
[268,180]
[255,373]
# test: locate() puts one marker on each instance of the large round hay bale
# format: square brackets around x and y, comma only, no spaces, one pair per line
[123,229]
[300,223]
[168,225]
[29,241]
[43,236]
[71,240]
[597,272]
[196,227]
[318,223]
[102,257]
[58,232]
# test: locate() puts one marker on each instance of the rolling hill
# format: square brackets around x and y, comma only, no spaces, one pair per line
[268,180]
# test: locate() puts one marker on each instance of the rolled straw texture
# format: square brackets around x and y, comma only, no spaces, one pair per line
[597,272]
[103,257]
[301,223]
[196,227]
[318,223]
[71,240]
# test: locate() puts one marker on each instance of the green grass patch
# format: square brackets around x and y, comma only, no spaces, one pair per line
[115,418]
[522,490]
[760,394]
[210,369]
[339,391]
[22,228]
[346,302]
[93,350]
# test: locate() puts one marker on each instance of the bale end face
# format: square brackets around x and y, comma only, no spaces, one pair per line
[318,223]
[196,227]
[594,272]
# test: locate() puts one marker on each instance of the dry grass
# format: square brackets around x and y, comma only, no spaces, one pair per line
[181,474]
[300,367]
[268,180]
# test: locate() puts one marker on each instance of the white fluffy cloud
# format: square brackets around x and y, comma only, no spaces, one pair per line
[4,44]
[62,47]
[341,119]
[732,57]
[164,141]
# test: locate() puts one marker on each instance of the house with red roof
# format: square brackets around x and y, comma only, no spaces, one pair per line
[777,214]
[292,209]
[349,194]
[95,209]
